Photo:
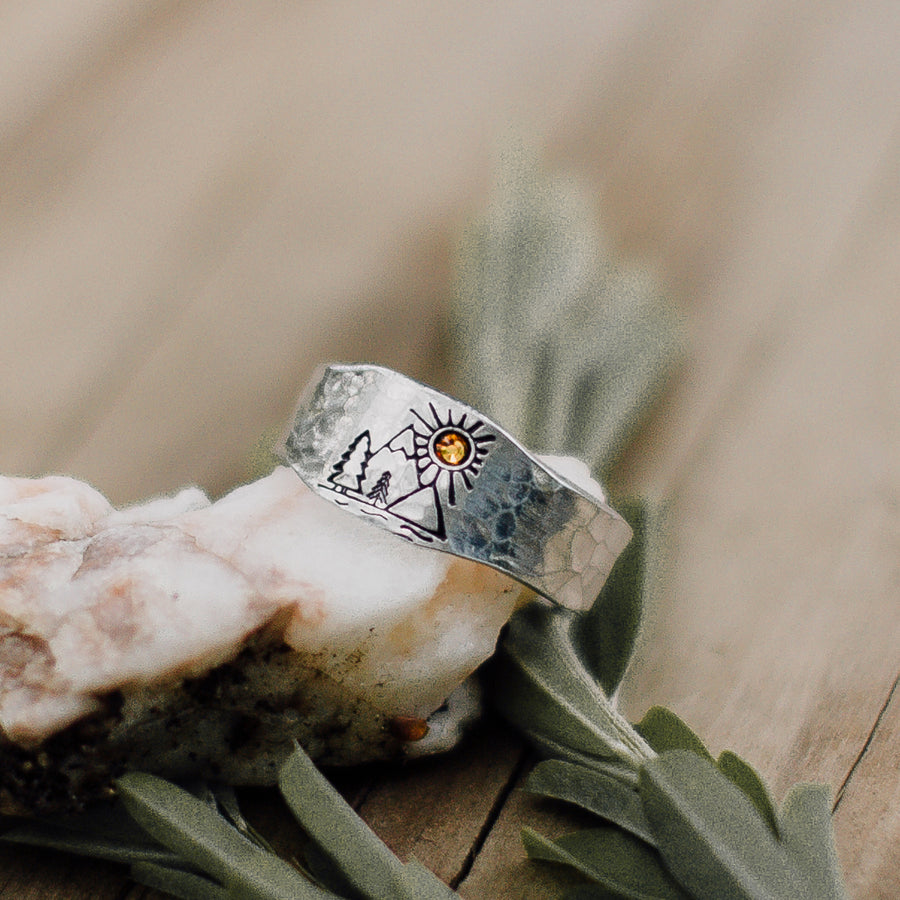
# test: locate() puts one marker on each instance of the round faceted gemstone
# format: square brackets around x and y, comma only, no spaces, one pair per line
[452,448]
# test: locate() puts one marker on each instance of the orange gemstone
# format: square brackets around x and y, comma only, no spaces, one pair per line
[451,448]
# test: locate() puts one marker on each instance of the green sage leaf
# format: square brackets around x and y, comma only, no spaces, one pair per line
[615,860]
[711,836]
[178,883]
[202,837]
[422,884]
[592,892]
[324,871]
[85,842]
[593,339]
[102,832]
[533,706]
[542,683]
[363,859]
[664,731]
[607,632]
[552,749]
[807,831]
[366,863]
[742,774]
[611,768]
[603,794]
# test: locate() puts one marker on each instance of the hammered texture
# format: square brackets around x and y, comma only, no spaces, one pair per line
[366,439]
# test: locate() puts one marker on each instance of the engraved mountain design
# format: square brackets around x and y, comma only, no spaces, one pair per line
[414,475]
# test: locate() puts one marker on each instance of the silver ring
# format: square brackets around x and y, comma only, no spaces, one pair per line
[434,471]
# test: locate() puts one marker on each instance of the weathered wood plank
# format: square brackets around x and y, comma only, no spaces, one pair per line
[502,869]
[754,207]
[866,819]
[435,810]
[788,510]
[777,626]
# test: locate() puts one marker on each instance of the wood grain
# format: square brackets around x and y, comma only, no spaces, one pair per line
[866,821]
[502,870]
[437,811]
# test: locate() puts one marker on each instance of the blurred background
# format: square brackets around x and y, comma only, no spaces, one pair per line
[199,202]
[202,201]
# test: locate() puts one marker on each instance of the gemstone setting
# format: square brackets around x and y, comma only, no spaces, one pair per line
[451,448]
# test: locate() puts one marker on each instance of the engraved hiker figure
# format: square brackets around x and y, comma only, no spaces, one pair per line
[379,494]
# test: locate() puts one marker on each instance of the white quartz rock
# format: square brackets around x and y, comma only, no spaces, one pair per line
[222,631]
[413,621]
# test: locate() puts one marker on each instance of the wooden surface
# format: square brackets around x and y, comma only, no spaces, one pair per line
[156,246]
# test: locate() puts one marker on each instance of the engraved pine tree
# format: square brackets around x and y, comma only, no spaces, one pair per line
[350,470]
[379,492]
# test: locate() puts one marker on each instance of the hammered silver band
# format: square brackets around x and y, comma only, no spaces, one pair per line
[434,471]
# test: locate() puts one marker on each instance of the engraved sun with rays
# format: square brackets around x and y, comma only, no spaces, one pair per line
[415,473]
[447,450]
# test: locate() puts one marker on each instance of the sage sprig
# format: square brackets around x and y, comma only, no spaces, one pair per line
[200,848]
[677,822]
